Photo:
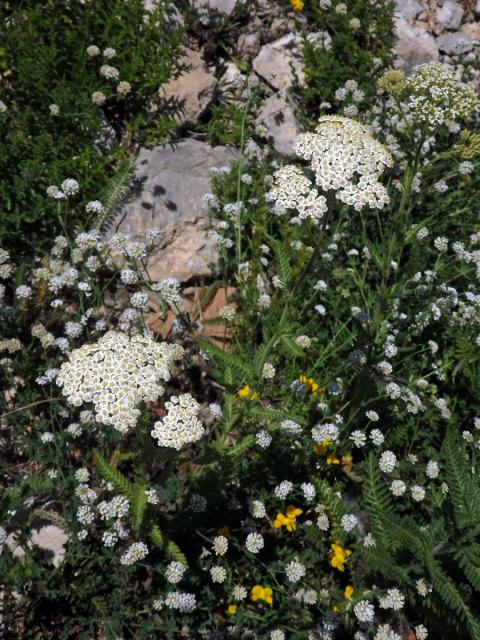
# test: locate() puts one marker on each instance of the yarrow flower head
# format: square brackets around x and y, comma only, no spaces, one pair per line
[436,95]
[116,374]
[136,551]
[180,426]
[293,190]
[174,572]
[345,158]
[183,602]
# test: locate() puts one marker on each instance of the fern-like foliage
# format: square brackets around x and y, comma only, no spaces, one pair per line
[138,506]
[156,536]
[335,508]
[285,270]
[378,501]
[445,550]
[174,552]
[115,193]
[227,359]
[110,474]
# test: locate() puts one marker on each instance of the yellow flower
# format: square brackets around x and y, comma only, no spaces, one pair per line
[339,556]
[348,591]
[322,448]
[289,520]
[312,385]
[232,609]
[293,512]
[297,5]
[261,593]
[332,460]
[247,393]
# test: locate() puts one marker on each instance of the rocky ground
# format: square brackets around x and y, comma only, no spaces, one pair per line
[265,49]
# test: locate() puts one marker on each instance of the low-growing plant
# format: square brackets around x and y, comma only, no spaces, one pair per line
[80,89]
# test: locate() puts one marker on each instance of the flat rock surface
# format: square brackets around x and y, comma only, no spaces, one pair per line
[454,43]
[409,9]
[192,90]
[450,15]
[414,45]
[172,182]
[278,63]
[223,6]
[278,117]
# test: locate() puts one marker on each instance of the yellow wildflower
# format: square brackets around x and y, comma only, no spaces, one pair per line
[247,393]
[261,593]
[333,460]
[289,520]
[339,556]
[297,5]
[314,387]
[348,591]
[232,609]
[322,447]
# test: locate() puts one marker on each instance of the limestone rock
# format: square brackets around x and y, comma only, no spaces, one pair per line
[52,540]
[278,117]
[450,15]
[408,9]
[248,45]
[454,43]
[414,45]
[223,6]
[472,29]
[172,183]
[232,77]
[278,64]
[192,90]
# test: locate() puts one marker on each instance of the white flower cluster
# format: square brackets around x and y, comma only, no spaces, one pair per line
[174,572]
[295,571]
[116,374]
[437,96]
[346,158]
[293,190]
[180,426]
[183,602]
[136,551]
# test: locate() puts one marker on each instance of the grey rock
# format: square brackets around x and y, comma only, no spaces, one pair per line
[455,43]
[248,45]
[192,90]
[414,45]
[52,540]
[172,184]
[472,29]
[450,15]
[278,62]
[278,117]
[223,6]
[232,77]
[408,9]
